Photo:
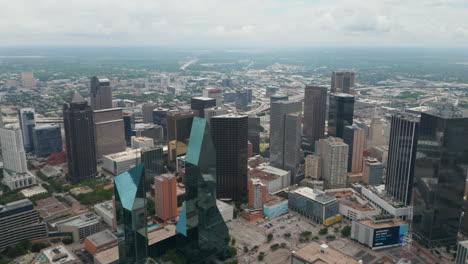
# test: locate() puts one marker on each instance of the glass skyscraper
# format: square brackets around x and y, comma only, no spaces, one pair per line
[439,179]
[340,114]
[130,208]
[47,140]
[202,231]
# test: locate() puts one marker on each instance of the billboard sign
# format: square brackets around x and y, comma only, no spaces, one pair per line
[389,236]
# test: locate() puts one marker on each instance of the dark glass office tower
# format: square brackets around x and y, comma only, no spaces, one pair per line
[47,140]
[242,100]
[342,82]
[254,133]
[160,118]
[153,159]
[129,126]
[202,232]
[401,156]
[130,210]
[100,93]
[315,113]
[201,103]
[340,113]
[27,121]
[179,124]
[439,179]
[80,139]
[230,136]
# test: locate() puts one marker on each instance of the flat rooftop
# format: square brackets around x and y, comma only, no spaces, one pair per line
[110,255]
[102,238]
[271,170]
[322,254]
[160,234]
[124,155]
[391,223]
[349,198]
[50,206]
[274,199]
[80,220]
[315,195]
[15,205]
[33,191]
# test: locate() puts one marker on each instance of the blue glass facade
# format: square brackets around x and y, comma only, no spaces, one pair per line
[275,210]
[47,140]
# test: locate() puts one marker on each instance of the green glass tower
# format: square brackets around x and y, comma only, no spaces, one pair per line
[130,206]
[202,231]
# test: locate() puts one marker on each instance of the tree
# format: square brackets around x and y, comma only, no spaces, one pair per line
[261,255]
[274,247]
[36,247]
[232,252]
[246,249]
[233,241]
[323,231]
[269,237]
[286,235]
[346,231]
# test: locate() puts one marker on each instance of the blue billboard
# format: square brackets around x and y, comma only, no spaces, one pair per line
[389,236]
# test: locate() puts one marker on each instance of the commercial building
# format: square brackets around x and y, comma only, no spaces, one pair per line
[354,206]
[27,121]
[314,253]
[160,118]
[80,139]
[47,139]
[201,103]
[242,100]
[108,256]
[404,131]
[284,134]
[200,238]
[439,178]
[129,126]
[214,111]
[275,179]
[316,205]
[254,133]
[106,211]
[315,111]
[380,231]
[215,93]
[179,124]
[230,135]
[100,93]
[373,172]
[27,80]
[257,193]
[154,162]
[120,162]
[57,254]
[165,196]
[342,82]
[101,241]
[312,167]
[275,206]
[109,131]
[147,112]
[292,145]
[142,143]
[334,156]
[376,133]
[156,132]
[130,208]
[355,138]
[340,114]
[381,200]
[462,252]
[226,210]
[50,208]
[19,221]
[81,226]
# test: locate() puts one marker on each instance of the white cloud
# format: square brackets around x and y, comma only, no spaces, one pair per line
[231,23]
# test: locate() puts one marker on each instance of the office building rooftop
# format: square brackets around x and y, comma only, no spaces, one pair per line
[80,220]
[102,238]
[322,254]
[315,195]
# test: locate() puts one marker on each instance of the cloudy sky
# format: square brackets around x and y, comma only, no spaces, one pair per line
[234,22]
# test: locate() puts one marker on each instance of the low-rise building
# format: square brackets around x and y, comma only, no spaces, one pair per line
[353,206]
[106,211]
[100,241]
[108,256]
[142,143]
[50,208]
[121,162]
[81,226]
[462,252]
[275,179]
[275,206]
[380,231]
[316,205]
[226,210]
[33,191]
[380,199]
[18,180]
[56,254]
[314,253]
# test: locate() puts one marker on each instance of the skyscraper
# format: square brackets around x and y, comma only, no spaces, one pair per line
[214,93]
[130,208]
[153,159]
[129,126]
[334,156]
[214,111]
[401,156]
[242,100]
[355,138]
[315,111]
[47,140]
[27,80]
[165,196]
[230,135]
[439,178]
[147,112]
[312,167]
[342,82]
[179,124]
[376,136]
[278,111]
[292,144]
[257,193]
[201,103]
[80,139]
[340,114]
[372,172]
[100,93]
[109,131]
[160,118]
[27,121]
[254,133]
[201,228]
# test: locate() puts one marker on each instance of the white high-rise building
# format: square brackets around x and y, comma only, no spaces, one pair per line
[334,155]
[16,173]
[214,93]
[312,167]
[165,82]
[214,111]
[376,133]
[27,121]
